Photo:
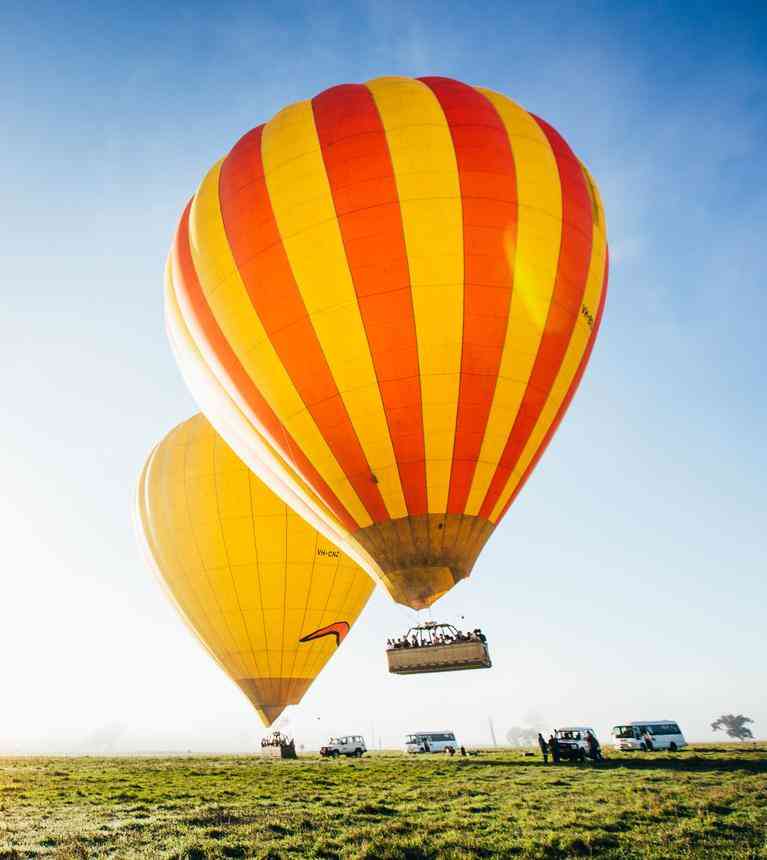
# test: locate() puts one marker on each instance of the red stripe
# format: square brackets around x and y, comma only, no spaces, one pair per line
[489,198]
[565,405]
[263,264]
[569,286]
[364,189]
[185,280]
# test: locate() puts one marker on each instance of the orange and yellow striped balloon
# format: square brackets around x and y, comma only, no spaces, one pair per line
[399,285]
[269,597]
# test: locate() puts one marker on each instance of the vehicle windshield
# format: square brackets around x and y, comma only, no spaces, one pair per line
[568,735]
[413,739]
[623,731]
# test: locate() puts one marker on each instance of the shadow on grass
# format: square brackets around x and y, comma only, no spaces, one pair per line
[697,764]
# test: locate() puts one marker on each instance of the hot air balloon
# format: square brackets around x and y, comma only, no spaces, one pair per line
[395,287]
[268,596]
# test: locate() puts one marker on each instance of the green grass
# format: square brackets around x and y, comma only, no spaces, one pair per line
[708,802]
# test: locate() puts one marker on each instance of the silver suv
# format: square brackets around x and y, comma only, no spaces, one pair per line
[573,743]
[349,745]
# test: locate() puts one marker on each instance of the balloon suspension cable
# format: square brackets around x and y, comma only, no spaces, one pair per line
[410,614]
[411,617]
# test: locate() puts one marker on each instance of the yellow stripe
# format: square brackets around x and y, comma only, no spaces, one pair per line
[426,173]
[600,224]
[578,343]
[231,306]
[303,207]
[535,259]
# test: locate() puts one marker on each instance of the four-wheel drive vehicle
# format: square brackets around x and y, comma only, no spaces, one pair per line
[351,745]
[662,734]
[573,743]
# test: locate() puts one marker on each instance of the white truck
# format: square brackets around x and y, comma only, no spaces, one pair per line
[348,745]
[649,735]
[572,742]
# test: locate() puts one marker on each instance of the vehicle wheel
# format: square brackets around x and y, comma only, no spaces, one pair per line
[358,753]
[672,747]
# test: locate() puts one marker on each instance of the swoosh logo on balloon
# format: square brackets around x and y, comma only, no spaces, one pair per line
[339,629]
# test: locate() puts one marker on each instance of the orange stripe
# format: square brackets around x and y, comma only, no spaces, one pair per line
[570,394]
[488,185]
[185,279]
[572,272]
[361,176]
[263,265]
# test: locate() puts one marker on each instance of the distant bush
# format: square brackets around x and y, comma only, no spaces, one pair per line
[735,726]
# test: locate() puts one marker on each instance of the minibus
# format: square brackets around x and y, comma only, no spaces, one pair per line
[649,735]
[431,742]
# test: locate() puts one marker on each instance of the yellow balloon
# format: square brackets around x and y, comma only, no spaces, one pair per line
[269,597]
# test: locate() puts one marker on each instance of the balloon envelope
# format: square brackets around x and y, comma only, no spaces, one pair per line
[269,597]
[399,284]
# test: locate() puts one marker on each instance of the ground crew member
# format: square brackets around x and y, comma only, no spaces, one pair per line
[554,747]
[544,748]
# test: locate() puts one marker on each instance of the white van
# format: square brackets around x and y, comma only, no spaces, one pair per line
[420,742]
[663,735]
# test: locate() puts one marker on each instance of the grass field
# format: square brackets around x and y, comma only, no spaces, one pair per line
[705,802]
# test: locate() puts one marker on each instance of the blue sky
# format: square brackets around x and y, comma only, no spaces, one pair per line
[628,580]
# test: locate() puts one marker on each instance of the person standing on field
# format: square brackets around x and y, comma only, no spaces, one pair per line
[554,748]
[544,748]
[594,752]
